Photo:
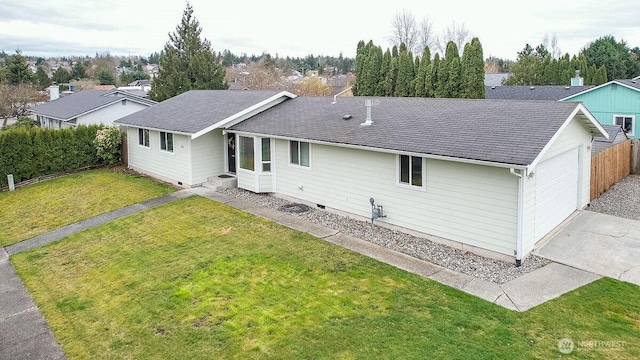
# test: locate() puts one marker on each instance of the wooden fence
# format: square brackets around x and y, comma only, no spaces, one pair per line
[610,166]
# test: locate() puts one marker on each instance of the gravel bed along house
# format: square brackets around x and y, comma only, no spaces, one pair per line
[622,199]
[462,261]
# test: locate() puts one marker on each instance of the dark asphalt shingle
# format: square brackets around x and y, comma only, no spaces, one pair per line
[195,110]
[548,92]
[502,131]
[71,106]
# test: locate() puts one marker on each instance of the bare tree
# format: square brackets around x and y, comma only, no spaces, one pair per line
[15,101]
[404,30]
[426,35]
[458,34]
[555,49]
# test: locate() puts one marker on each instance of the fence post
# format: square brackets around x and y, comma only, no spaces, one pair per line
[635,158]
[12,186]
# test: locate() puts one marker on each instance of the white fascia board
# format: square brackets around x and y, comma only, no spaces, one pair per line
[263,105]
[580,109]
[389,151]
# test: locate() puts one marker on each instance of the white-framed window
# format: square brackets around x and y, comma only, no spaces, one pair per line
[247,156]
[411,171]
[166,141]
[124,101]
[299,153]
[143,137]
[628,123]
[266,154]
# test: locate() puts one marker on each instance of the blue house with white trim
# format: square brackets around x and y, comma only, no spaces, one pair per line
[616,102]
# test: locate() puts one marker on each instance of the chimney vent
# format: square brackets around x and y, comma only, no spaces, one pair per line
[368,121]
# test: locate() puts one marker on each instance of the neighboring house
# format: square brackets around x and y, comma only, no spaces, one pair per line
[182,140]
[616,102]
[545,92]
[616,136]
[495,79]
[88,107]
[490,176]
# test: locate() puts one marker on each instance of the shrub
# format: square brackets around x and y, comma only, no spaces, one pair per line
[107,142]
[29,153]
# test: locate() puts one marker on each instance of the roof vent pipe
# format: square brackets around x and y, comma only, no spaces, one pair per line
[368,104]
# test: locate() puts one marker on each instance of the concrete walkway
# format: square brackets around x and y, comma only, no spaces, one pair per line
[24,333]
[603,244]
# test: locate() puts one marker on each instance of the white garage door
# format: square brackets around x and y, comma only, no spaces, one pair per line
[556,191]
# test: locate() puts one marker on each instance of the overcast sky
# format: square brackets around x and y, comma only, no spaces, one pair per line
[298,28]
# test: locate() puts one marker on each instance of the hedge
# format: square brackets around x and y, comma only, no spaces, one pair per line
[31,153]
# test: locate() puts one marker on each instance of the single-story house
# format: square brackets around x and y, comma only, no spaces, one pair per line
[616,102]
[490,176]
[88,107]
[182,139]
[616,136]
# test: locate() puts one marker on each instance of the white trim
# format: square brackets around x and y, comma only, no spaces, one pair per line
[190,165]
[154,129]
[149,138]
[400,184]
[261,161]
[299,160]
[520,220]
[600,86]
[173,149]
[239,158]
[574,114]
[228,121]
[633,123]
[389,151]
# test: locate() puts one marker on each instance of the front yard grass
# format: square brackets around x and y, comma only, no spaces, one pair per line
[49,205]
[196,279]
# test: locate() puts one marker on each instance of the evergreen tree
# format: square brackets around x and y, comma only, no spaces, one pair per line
[78,71]
[188,62]
[61,76]
[405,75]
[105,76]
[390,78]
[588,78]
[384,73]
[423,73]
[616,57]
[432,84]
[42,78]
[361,58]
[371,70]
[600,76]
[17,69]
[452,87]
[473,70]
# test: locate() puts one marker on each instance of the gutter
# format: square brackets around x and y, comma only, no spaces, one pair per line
[520,231]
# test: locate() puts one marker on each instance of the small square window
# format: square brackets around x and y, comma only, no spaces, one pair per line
[166,141]
[411,171]
[299,153]
[627,122]
[143,137]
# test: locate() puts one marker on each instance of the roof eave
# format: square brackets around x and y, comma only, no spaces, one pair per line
[238,117]
[390,151]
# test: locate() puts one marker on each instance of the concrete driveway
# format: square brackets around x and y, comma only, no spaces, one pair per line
[602,244]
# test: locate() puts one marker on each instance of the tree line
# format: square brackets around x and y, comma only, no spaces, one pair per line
[397,72]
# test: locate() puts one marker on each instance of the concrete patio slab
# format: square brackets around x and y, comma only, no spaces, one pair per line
[546,283]
[598,243]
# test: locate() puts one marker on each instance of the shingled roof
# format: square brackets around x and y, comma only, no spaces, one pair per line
[547,92]
[633,84]
[196,110]
[74,105]
[499,131]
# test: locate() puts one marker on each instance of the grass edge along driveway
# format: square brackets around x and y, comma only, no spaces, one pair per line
[196,279]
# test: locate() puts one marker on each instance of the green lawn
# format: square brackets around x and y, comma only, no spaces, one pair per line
[196,279]
[49,205]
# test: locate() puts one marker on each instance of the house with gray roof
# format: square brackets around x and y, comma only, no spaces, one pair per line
[616,136]
[520,92]
[183,140]
[489,176]
[88,107]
